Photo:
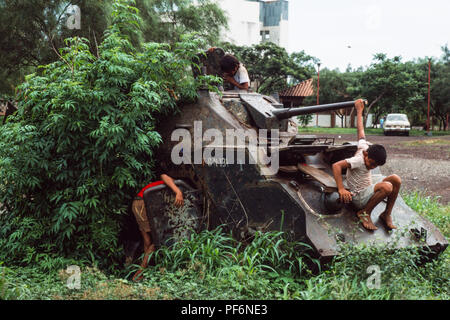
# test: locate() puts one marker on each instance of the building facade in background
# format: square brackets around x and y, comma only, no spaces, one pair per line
[254,21]
[273,18]
[243,22]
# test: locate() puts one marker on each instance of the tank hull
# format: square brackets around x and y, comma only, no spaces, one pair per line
[249,197]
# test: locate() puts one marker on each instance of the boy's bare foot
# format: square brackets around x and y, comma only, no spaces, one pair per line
[365,220]
[387,219]
[138,276]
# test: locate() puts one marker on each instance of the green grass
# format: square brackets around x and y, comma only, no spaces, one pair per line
[430,208]
[211,265]
[428,142]
[369,131]
[318,130]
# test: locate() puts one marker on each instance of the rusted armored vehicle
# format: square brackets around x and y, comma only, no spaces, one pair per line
[241,165]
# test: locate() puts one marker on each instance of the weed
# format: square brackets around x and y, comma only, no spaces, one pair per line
[212,265]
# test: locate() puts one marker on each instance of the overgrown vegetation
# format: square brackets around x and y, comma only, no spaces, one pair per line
[30,30]
[432,209]
[83,141]
[211,265]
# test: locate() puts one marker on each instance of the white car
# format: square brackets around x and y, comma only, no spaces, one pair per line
[396,122]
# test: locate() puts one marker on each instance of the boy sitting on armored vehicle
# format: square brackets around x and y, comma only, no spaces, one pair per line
[364,194]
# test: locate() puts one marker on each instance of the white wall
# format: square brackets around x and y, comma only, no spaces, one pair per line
[284,34]
[369,121]
[274,33]
[244,25]
[243,22]
[325,121]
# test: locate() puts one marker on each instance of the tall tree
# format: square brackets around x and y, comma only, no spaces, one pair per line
[389,86]
[440,88]
[335,86]
[31,30]
[167,20]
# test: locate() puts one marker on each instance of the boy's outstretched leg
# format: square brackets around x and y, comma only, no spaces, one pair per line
[386,216]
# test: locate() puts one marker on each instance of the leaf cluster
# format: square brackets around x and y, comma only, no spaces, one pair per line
[84,140]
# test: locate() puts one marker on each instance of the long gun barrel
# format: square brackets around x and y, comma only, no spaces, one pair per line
[291,112]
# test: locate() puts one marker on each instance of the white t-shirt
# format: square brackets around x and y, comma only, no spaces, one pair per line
[358,176]
[241,76]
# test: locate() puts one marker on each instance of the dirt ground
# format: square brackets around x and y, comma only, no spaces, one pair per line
[423,162]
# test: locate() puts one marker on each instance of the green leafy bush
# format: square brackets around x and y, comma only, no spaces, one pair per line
[83,142]
[304,120]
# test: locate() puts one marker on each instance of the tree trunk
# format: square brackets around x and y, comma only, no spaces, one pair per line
[442,122]
[352,119]
[366,114]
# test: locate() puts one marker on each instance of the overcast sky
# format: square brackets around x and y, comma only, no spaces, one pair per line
[339,32]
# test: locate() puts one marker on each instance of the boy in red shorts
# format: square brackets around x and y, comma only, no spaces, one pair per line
[138,208]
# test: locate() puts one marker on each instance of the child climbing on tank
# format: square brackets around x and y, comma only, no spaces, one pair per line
[364,194]
[140,213]
[234,71]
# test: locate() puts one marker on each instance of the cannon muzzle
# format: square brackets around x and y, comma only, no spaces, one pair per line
[291,112]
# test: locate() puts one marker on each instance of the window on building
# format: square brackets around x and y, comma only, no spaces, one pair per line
[265,35]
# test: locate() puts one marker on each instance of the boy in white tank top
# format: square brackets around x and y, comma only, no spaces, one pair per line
[364,193]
